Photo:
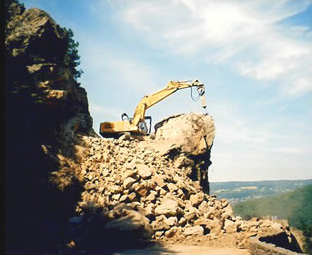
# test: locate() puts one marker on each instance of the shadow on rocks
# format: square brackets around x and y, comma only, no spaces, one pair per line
[118,230]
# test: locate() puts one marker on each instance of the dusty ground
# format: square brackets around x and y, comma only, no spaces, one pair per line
[178,249]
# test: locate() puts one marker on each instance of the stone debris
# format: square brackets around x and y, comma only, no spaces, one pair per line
[137,188]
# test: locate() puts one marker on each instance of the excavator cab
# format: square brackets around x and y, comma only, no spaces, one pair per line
[145,125]
[110,129]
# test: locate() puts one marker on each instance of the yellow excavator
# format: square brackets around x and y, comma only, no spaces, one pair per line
[137,125]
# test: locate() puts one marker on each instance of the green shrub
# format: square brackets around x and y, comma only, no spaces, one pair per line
[72,58]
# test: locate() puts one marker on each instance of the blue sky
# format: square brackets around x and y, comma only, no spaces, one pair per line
[254,57]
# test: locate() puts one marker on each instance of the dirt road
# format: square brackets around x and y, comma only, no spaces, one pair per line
[184,250]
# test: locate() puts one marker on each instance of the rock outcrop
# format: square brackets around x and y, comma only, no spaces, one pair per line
[45,111]
[189,134]
[187,139]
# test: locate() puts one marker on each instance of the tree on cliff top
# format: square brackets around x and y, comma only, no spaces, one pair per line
[72,58]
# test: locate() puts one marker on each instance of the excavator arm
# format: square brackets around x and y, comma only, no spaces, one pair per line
[172,87]
[114,129]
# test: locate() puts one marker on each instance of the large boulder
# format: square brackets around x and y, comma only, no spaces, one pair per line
[185,133]
[187,139]
[168,207]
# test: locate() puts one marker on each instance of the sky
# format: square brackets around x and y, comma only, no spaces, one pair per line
[254,57]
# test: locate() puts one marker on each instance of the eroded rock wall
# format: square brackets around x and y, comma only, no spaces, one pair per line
[45,111]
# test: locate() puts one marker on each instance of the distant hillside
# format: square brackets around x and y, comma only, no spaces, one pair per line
[241,191]
[295,206]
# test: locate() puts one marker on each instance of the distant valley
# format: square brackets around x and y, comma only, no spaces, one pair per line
[237,191]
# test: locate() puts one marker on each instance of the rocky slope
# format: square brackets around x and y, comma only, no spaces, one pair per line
[64,184]
[136,188]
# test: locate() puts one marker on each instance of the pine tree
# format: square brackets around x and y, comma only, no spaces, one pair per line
[72,58]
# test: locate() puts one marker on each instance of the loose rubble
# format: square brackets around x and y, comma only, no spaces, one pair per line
[138,189]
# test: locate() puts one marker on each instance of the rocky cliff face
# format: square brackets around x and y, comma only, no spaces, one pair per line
[45,111]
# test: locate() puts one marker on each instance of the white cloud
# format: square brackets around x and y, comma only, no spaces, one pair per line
[277,57]
[235,130]
[301,85]
[245,35]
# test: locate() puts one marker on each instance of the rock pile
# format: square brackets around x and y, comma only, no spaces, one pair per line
[136,189]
